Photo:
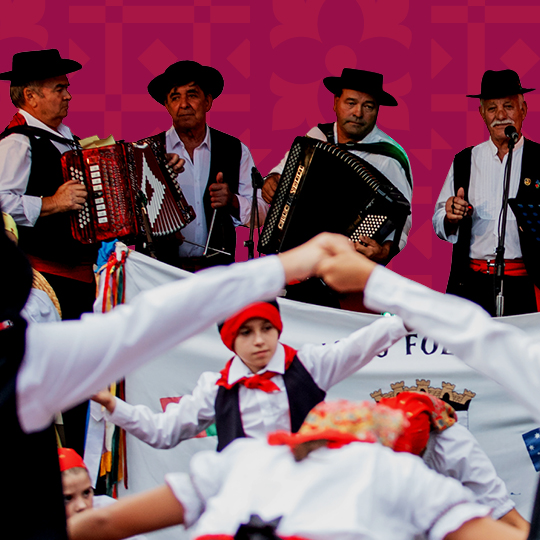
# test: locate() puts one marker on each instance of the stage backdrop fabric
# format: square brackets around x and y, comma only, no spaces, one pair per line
[496,420]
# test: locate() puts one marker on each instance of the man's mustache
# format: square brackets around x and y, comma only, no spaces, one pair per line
[502,122]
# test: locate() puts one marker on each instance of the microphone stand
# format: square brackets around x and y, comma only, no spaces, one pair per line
[257,182]
[499,252]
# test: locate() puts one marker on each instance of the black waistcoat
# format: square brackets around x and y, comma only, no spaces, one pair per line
[526,193]
[50,238]
[30,468]
[302,392]
[225,157]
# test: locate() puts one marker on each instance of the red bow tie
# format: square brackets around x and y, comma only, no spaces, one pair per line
[261,382]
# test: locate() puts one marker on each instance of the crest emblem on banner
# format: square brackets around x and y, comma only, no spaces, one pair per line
[447,392]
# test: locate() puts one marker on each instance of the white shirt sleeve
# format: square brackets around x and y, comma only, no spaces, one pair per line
[208,473]
[331,363]
[439,214]
[67,362]
[15,162]
[245,192]
[456,453]
[431,502]
[504,353]
[179,421]
[39,308]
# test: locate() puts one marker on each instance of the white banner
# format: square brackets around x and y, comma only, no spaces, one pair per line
[496,420]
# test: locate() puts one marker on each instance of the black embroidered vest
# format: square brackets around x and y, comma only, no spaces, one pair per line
[526,193]
[302,392]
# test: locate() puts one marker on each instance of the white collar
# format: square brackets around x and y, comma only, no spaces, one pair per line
[494,149]
[175,140]
[239,369]
[32,121]
[372,136]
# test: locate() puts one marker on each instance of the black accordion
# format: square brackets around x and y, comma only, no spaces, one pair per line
[324,188]
[117,177]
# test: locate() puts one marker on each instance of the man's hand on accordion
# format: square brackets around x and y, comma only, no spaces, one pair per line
[69,196]
[269,188]
[175,163]
[373,250]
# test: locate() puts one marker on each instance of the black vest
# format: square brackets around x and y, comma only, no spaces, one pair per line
[302,392]
[50,238]
[30,462]
[527,194]
[225,157]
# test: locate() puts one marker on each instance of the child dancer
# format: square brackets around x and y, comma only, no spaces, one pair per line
[339,483]
[265,386]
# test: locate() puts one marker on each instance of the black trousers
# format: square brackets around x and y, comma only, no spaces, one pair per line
[518,292]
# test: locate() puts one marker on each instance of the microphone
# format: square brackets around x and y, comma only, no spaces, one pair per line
[511,133]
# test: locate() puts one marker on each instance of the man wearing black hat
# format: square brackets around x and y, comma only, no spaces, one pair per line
[32,188]
[357,97]
[217,170]
[33,191]
[469,205]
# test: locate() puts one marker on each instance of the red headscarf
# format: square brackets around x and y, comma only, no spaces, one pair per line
[424,413]
[69,459]
[264,310]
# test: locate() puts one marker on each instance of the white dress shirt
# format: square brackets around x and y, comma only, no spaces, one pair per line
[66,362]
[39,308]
[485,195]
[506,354]
[261,412]
[193,182]
[361,491]
[456,453]
[15,165]
[387,166]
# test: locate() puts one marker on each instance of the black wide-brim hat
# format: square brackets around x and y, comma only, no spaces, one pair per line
[184,72]
[499,84]
[38,65]
[367,82]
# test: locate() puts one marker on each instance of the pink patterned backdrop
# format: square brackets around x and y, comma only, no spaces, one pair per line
[273,55]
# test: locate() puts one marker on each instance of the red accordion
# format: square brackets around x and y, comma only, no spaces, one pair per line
[116,178]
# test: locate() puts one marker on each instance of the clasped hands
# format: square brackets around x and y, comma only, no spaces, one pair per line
[331,257]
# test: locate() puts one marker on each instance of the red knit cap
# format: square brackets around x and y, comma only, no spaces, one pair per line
[425,413]
[69,459]
[263,310]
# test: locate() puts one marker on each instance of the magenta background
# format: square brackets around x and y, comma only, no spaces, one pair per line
[273,55]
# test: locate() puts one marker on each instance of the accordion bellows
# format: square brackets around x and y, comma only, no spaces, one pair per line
[324,188]
[114,177]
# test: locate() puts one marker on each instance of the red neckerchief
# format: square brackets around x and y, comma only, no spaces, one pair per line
[17,120]
[261,382]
